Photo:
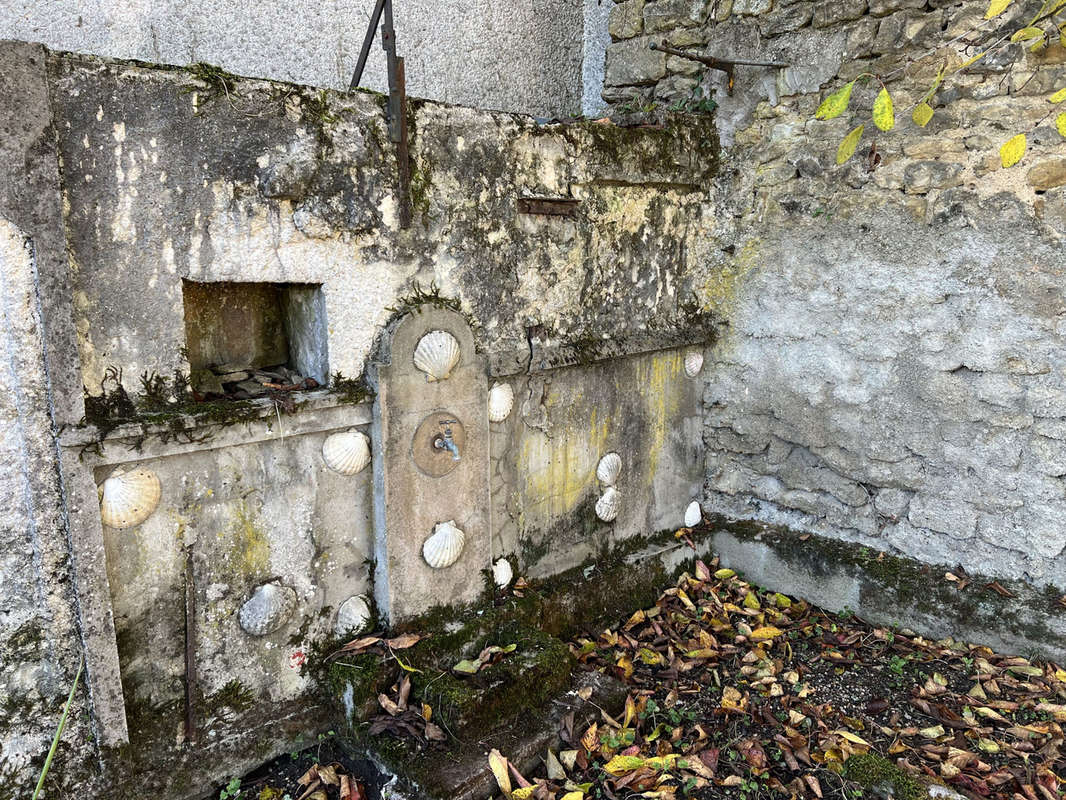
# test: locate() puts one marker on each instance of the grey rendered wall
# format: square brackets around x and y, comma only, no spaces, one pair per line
[518,56]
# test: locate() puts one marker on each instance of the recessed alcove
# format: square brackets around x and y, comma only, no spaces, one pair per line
[244,338]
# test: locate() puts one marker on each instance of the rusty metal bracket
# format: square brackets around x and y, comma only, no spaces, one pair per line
[548,206]
[397,108]
[726,65]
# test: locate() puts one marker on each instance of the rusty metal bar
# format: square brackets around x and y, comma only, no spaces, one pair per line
[726,65]
[190,650]
[550,206]
[403,161]
[397,109]
[360,65]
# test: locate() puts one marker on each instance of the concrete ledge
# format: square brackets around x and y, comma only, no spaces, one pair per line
[889,589]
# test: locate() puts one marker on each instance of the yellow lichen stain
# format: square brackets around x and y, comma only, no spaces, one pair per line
[627,208]
[657,374]
[718,293]
[560,470]
[249,550]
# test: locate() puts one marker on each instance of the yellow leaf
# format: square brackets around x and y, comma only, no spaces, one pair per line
[923,112]
[573,796]
[524,793]
[970,61]
[1027,34]
[848,145]
[619,765]
[766,632]
[782,601]
[1058,97]
[1060,123]
[732,700]
[498,765]
[996,7]
[631,711]
[851,737]
[884,114]
[722,574]
[988,746]
[751,601]
[1011,152]
[836,104]
[933,732]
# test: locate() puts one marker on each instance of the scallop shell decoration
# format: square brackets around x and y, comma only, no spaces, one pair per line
[352,616]
[346,452]
[443,548]
[501,399]
[609,468]
[269,607]
[128,498]
[502,573]
[693,514]
[608,505]
[437,354]
[693,363]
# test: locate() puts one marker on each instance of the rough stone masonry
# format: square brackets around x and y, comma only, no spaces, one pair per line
[893,368]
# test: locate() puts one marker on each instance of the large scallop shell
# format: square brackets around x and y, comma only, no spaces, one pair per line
[693,363]
[607,506]
[501,398]
[502,573]
[352,616]
[269,607]
[608,468]
[436,355]
[346,452]
[693,514]
[442,549]
[129,498]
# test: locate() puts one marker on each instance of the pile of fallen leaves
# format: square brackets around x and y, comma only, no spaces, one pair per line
[319,779]
[745,693]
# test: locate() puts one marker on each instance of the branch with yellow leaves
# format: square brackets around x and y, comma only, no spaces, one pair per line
[1050,15]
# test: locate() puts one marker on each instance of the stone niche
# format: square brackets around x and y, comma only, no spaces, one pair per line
[234,326]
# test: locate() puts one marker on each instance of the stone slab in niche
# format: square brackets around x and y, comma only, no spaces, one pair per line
[256,325]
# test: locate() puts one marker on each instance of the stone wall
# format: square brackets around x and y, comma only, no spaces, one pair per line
[153,216]
[541,58]
[892,372]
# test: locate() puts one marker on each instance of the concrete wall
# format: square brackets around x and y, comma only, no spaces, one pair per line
[526,56]
[891,374]
[168,179]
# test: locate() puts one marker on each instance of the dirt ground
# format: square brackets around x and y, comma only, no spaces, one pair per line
[741,692]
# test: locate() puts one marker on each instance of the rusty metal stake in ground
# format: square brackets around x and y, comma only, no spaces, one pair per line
[397,111]
[726,65]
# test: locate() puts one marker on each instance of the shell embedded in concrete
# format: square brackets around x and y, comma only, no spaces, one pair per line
[443,548]
[437,354]
[352,616]
[346,452]
[693,363]
[128,498]
[501,399]
[608,505]
[269,607]
[693,514]
[502,573]
[609,468]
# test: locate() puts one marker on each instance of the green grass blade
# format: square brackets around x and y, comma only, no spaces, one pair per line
[59,732]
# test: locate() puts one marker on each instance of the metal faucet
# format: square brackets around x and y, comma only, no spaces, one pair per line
[444,441]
